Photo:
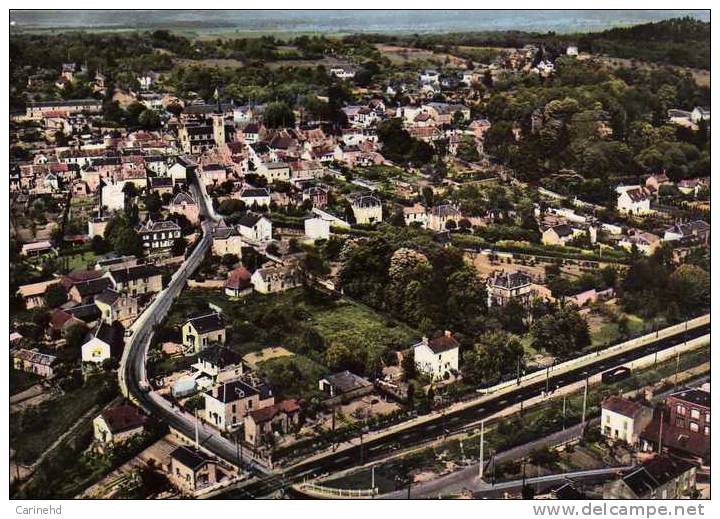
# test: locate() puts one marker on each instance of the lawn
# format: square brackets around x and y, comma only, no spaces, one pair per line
[79,261]
[302,321]
[358,326]
[606,332]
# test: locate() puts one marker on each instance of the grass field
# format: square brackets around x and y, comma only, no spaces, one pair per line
[33,431]
[304,323]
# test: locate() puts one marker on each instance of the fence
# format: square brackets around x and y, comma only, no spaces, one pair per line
[320,491]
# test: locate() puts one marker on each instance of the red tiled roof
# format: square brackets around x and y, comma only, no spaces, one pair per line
[622,406]
[238,279]
[268,413]
[123,418]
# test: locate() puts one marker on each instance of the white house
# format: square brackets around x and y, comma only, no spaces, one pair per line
[633,199]
[439,357]
[113,196]
[700,114]
[623,419]
[317,228]
[101,343]
[367,209]
[255,227]
[251,196]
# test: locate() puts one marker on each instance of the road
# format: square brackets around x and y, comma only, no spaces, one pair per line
[132,373]
[373,449]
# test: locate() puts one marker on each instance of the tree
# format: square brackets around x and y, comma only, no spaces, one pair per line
[561,333]
[229,260]
[179,246]
[689,286]
[278,115]
[128,242]
[494,355]
[408,365]
[99,245]
[149,119]
[55,295]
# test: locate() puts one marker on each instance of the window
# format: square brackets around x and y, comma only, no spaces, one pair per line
[625,425]
[694,427]
[694,414]
[706,431]
[681,410]
[707,418]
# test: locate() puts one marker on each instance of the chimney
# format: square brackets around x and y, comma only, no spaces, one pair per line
[448,333]
[425,339]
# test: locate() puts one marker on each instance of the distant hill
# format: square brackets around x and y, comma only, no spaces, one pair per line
[680,41]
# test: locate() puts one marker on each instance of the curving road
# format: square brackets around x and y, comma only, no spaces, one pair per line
[132,374]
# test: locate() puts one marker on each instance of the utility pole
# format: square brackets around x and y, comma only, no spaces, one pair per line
[482,448]
[547,380]
[564,400]
[585,401]
[197,439]
[372,481]
[677,365]
[662,416]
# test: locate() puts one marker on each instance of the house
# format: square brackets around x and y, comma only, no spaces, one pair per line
[623,419]
[335,221]
[61,322]
[220,363]
[633,200]
[32,361]
[161,185]
[282,417]
[136,280]
[441,214]
[118,424]
[700,113]
[238,283]
[104,342]
[85,291]
[268,280]
[317,228]
[96,226]
[439,357]
[192,470]
[201,331]
[37,110]
[33,295]
[367,209]
[344,386]
[317,195]
[697,231]
[116,306]
[342,72]
[590,296]
[558,235]
[660,478]
[681,427]
[506,286]
[252,196]
[646,242]
[159,235]
[692,186]
[417,214]
[184,204]
[227,240]
[255,227]
[112,196]
[655,181]
[36,248]
[273,171]
[227,404]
